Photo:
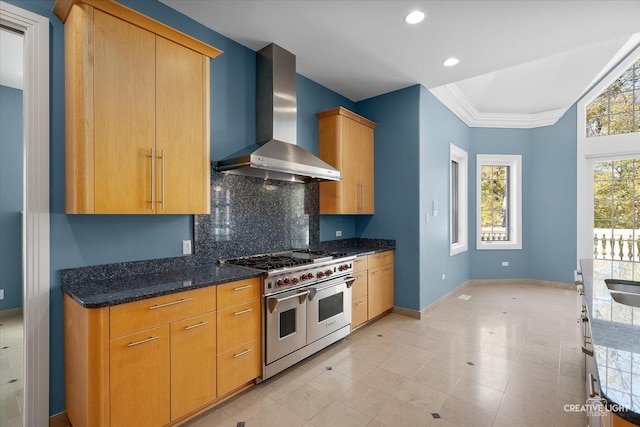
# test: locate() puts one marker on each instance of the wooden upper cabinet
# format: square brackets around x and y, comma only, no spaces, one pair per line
[137,113]
[345,141]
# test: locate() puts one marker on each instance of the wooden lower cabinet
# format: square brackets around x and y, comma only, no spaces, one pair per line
[193,364]
[139,386]
[372,291]
[238,366]
[170,367]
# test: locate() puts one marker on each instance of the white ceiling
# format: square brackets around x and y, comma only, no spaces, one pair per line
[522,62]
[11,60]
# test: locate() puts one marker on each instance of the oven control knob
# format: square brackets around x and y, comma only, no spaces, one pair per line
[328,272]
[303,277]
[295,280]
[310,276]
[320,274]
[287,280]
[279,283]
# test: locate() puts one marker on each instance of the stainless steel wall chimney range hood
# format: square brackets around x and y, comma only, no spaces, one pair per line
[275,155]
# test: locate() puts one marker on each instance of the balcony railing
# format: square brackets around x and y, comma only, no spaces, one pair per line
[623,245]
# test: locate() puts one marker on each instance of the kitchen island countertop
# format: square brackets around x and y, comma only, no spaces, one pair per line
[615,330]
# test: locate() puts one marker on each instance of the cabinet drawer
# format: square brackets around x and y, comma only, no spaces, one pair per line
[359,312]
[359,287]
[136,316]
[360,263]
[236,293]
[383,258]
[238,366]
[238,325]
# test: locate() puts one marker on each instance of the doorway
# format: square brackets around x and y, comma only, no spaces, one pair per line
[36,272]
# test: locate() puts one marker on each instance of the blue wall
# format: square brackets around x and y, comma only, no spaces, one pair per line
[438,128]
[11,186]
[397,186]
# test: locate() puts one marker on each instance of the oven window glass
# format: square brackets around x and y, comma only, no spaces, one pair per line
[330,306]
[287,323]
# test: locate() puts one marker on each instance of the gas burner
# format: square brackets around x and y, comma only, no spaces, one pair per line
[268,262]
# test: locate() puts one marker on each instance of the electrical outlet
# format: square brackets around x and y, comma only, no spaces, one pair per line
[186,247]
[505,263]
[444,276]
[338,233]
[1,293]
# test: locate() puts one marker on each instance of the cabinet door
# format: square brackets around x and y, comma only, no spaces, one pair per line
[238,366]
[139,378]
[380,290]
[366,173]
[193,364]
[359,287]
[124,114]
[359,313]
[182,134]
[238,325]
[351,183]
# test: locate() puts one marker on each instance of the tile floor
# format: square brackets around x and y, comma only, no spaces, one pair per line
[508,356]
[11,371]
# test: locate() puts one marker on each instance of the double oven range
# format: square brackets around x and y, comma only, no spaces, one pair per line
[307,303]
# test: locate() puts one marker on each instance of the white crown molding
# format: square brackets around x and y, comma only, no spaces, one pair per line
[455,100]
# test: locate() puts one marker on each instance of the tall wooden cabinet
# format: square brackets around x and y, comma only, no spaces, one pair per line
[137,113]
[372,291]
[345,141]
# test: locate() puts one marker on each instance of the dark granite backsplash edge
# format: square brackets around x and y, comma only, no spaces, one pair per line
[95,273]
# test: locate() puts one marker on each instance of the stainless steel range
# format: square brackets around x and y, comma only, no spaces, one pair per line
[307,303]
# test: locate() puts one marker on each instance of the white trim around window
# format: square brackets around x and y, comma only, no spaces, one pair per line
[458,201]
[514,162]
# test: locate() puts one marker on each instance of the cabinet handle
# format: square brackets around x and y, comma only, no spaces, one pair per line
[388,269]
[587,352]
[377,272]
[132,344]
[359,260]
[243,287]
[162,163]
[180,301]
[197,325]
[153,178]
[238,313]
[359,277]
[592,392]
[242,353]
[360,303]
[360,195]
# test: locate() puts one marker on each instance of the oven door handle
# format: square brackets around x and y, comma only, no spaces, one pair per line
[272,302]
[348,280]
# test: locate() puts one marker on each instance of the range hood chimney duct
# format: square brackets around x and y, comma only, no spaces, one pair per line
[275,154]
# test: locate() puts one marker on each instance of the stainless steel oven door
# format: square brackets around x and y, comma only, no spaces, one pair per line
[329,307]
[286,317]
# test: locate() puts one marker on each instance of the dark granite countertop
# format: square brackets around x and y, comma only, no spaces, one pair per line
[119,290]
[615,330]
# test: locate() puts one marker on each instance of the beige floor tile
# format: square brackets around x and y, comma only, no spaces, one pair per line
[527,410]
[306,401]
[353,368]
[247,405]
[502,421]
[331,383]
[401,366]
[441,380]
[398,413]
[384,381]
[375,423]
[12,422]
[216,417]
[495,378]
[275,415]
[9,409]
[483,396]
[372,355]
[421,396]
[339,415]
[365,399]
[466,414]
[279,386]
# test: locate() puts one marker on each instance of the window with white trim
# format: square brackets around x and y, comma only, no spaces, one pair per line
[459,194]
[499,201]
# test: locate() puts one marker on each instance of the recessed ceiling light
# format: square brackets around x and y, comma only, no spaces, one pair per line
[414,17]
[450,62]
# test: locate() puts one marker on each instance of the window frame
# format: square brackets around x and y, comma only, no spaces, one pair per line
[514,161]
[461,157]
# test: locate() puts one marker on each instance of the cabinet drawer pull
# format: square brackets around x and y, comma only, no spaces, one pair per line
[587,352]
[162,163]
[377,272]
[359,277]
[132,344]
[358,260]
[388,269]
[592,392]
[243,287]
[197,325]
[360,303]
[153,178]
[238,313]
[382,256]
[242,353]
[180,301]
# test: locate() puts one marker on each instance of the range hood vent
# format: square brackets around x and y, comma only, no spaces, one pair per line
[276,155]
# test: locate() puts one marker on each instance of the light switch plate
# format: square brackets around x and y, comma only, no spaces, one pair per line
[186,247]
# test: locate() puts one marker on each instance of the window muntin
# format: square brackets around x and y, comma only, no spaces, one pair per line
[616,110]
[458,200]
[499,202]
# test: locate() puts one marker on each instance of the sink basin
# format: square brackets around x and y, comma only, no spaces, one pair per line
[625,292]
[623,285]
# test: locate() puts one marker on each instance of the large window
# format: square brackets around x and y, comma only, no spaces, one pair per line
[499,202]
[458,212]
[616,110]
